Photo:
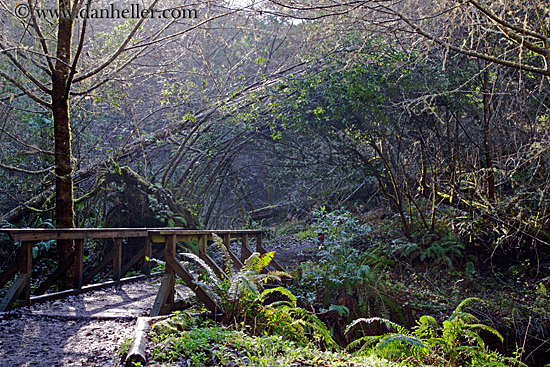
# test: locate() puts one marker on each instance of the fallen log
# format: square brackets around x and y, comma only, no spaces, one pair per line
[137,353]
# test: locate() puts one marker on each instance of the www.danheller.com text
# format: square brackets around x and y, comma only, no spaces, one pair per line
[131,11]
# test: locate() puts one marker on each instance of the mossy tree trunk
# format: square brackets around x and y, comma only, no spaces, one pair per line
[64,212]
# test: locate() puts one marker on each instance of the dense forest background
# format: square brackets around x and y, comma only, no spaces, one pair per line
[437,112]
[433,116]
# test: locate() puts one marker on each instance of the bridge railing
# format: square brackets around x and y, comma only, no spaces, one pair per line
[20,289]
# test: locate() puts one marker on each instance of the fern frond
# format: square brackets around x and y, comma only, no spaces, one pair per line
[428,321]
[257,262]
[395,342]
[462,317]
[306,318]
[198,260]
[466,302]
[486,328]
[242,283]
[280,274]
[285,292]
[366,342]
[226,258]
[389,324]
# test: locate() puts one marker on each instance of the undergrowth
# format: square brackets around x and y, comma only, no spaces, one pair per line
[457,342]
[204,344]
[351,279]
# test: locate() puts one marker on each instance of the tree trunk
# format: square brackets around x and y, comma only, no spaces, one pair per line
[490,174]
[64,213]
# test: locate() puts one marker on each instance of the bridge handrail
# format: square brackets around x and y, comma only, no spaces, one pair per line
[21,287]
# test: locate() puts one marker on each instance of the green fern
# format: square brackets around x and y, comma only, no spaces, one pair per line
[242,298]
[456,342]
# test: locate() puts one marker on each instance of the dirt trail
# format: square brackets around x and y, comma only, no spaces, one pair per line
[82,330]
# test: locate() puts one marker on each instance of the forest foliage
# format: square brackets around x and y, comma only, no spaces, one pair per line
[434,114]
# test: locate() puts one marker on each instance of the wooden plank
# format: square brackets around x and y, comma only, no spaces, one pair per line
[10,272]
[106,260]
[73,234]
[201,293]
[160,238]
[163,294]
[26,268]
[78,263]
[59,271]
[236,232]
[13,293]
[41,234]
[259,247]
[117,259]
[133,261]
[147,254]
[227,244]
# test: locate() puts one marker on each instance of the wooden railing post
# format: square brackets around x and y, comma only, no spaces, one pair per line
[203,240]
[26,268]
[245,252]
[117,259]
[164,302]
[147,254]
[78,264]
[259,247]
[171,244]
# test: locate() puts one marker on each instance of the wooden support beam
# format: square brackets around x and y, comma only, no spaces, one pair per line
[147,254]
[117,259]
[78,264]
[10,272]
[227,244]
[59,271]
[201,293]
[133,261]
[166,286]
[106,260]
[26,268]
[13,293]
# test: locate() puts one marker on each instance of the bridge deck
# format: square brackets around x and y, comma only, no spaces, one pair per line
[73,266]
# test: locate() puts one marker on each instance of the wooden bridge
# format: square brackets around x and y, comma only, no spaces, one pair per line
[73,266]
